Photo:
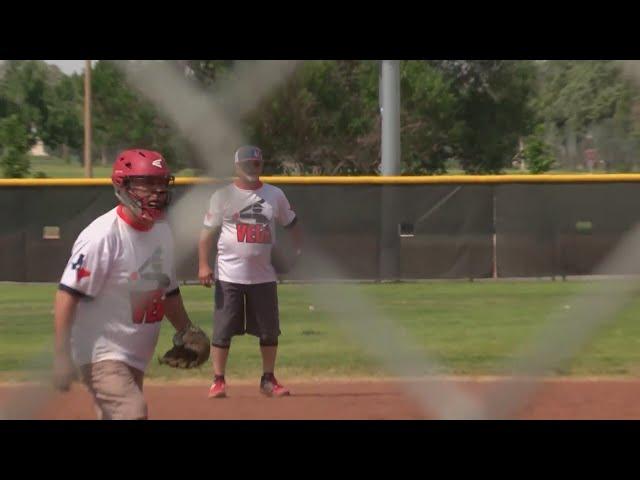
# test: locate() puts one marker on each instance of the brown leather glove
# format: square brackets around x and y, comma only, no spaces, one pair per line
[190,349]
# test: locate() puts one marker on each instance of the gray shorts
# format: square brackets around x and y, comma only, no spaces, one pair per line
[241,309]
[116,389]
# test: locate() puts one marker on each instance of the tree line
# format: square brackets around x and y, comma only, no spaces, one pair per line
[481,116]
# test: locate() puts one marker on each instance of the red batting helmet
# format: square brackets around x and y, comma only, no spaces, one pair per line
[142,168]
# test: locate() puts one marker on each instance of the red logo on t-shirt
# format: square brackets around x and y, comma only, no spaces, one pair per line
[81,273]
[253,233]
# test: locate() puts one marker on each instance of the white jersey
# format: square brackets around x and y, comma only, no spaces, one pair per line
[122,273]
[247,221]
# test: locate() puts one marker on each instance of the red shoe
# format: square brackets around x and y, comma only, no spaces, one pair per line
[270,387]
[218,388]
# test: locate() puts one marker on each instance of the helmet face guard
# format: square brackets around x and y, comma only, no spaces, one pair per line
[142,180]
[149,205]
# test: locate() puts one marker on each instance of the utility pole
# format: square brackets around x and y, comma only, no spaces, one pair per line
[88,170]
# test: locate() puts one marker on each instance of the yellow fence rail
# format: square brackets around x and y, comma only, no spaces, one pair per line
[356,180]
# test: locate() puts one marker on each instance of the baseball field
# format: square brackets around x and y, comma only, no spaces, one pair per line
[470,329]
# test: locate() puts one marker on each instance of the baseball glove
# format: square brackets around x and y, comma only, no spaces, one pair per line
[190,349]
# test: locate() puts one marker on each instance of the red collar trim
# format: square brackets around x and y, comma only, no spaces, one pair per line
[133,222]
[247,186]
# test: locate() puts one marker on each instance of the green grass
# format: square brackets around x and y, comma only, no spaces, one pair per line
[54,167]
[470,328]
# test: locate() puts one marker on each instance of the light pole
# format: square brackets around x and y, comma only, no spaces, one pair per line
[389,266]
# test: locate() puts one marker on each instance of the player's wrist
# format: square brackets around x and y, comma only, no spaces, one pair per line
[178,340]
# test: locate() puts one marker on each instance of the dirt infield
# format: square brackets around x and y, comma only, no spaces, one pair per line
[341,400]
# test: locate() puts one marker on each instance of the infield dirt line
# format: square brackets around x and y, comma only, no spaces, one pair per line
[346,380]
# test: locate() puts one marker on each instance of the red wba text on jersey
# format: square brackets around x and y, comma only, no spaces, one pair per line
[253,233]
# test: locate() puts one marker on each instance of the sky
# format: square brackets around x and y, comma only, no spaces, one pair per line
[68,66]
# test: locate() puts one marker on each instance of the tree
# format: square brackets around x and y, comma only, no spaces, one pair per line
[63,127]
[25,85]
[537,153]
[28,90]
[430,126]
[15,143]
[582,99]
[324,120]
[122,118]
[493,110]
[207,72]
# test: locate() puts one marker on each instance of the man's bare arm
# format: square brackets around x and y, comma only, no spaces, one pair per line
[63,368]
[207,239]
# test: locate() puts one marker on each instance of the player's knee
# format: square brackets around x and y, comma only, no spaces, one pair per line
[268,341]
[224,343]
[130,408]
[135,409]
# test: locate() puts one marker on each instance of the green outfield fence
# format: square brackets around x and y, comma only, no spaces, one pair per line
[431,227]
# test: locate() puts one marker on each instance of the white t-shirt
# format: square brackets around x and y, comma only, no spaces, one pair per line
[123,273]
[247,221]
